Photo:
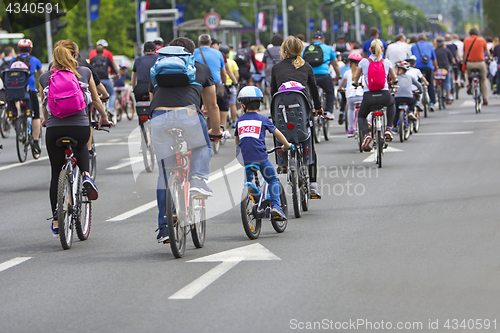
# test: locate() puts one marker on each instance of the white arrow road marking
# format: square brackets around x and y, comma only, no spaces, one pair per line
[445,133]
[132,160]
[389,149]
[13,262]
[230,258]
[10,166]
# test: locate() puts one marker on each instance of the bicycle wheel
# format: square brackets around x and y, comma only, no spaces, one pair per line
[33,153]
[83,213]
[416,123]
[294,182]
[199,222]
[326,129]
[304,186]
[359,137]
[407,125]
[248,208]
[65,209]
[128,108]
[216,146]
[148,154]
[280,226]
[21,139]
[176,206]
[380,146]
[93,160]
[5,124]
[457,87]
[401,126]
[317,130]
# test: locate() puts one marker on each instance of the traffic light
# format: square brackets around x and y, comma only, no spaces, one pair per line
[55,24]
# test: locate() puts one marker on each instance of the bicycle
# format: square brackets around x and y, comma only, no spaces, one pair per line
[440,76]
[475,79]
[123,103]
[425,100]
[357,131]
[92,152]
[5,122]
[298,178]
[148,153]
[185,212]
[215,145]
[416,122]
[320,123]
[255,203]
[456,84]
[404,123]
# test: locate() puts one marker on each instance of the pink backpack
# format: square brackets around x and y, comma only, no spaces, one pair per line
[376,75]
[65,96]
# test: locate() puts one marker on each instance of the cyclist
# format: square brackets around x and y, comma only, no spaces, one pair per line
[404,94]
[180,107]
[294,68]
[250,138]
[474,50]
[243,57]
[399,50]
[158,42]
[272,56]
[8,55]
[106,52]
[426,62]
[367,45]
[231,68]
[119,82]
[445,59]
[101,65]
[25,46]
[141,76]
[417,74]
[378,97]
[352,94]
[321,70]
[75,126]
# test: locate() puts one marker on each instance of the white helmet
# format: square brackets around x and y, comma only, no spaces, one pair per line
[102,42]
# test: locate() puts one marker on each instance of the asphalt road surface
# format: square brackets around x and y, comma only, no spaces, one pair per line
[413,246]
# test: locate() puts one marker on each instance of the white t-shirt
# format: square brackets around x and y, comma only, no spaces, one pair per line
[460,47]
[364,64]
[350,90]
[398,51]
[416,73]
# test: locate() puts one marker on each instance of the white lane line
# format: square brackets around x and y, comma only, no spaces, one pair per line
[481,121]
[14,165]
[13,262]
[114,140]
[151,204]
[195,287]
[445,133]
[130,161]
[372,157]
[102,144]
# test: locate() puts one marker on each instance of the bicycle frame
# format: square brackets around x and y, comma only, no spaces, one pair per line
[262,191]
[71,165]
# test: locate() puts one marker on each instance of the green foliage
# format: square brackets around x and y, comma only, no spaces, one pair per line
[492,13]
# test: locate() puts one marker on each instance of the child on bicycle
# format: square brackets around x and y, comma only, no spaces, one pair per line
[250,136]
[119,82]
[352,93]
[404,94]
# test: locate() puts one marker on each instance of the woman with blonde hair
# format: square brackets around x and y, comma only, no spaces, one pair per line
[294,68]
[375,97]
[75,126]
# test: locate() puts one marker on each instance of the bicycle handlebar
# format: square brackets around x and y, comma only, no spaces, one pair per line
[95,125]
[292,147]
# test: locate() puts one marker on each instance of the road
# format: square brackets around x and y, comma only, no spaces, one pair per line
[413,244]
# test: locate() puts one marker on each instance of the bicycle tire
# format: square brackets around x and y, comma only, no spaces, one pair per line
[65,209]
[304,186]
[216,147]
[248,208]
[175,205]
[33,153]
[316,131]
[359,138]
[280,226]
[83,212]
[416,123]
[326,129]
[199,225]
[457,87]
[380,147]
[21,139]
[129,109]
[93,161]
[294,182]
[148,154]
[407,126]
[401,126]
[5,124]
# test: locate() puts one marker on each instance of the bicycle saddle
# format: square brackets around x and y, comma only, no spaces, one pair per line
[65,140]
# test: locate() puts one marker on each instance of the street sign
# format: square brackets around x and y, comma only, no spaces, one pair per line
[212,21]
[151,31]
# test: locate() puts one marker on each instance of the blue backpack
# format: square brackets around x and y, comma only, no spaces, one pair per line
[174,68]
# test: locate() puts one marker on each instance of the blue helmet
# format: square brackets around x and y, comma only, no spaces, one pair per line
[250,94]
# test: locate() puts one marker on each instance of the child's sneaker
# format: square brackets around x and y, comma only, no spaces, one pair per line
[163,235]
[277,214]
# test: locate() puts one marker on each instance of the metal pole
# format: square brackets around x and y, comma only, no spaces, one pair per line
[285,20]
[308,32]
[332,38]
[89,32]
[49,37]
[137,29]
[256,22]
[481,14]
[357,20]
[174,24]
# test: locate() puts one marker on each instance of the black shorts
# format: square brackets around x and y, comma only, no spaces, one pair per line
[141,90]
[223,102]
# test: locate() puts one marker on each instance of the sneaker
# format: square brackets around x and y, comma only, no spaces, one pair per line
[90,190]
[395,129]
[36,147]
[469,90]
[199,186]
[282,170]
[329,115]
[431,107]
[233,125]
[91,153]
[485,102]
[412,116]
[341,118]
[350,133]
[313,191]
[227,134]
[277,214]
[162,236]
[366,141]
[55,231]
[388,135]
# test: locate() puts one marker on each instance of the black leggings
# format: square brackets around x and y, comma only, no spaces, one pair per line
[410,101]
[56,154]
[381,97]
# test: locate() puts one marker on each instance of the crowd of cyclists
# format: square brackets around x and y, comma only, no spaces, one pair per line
[227,79]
